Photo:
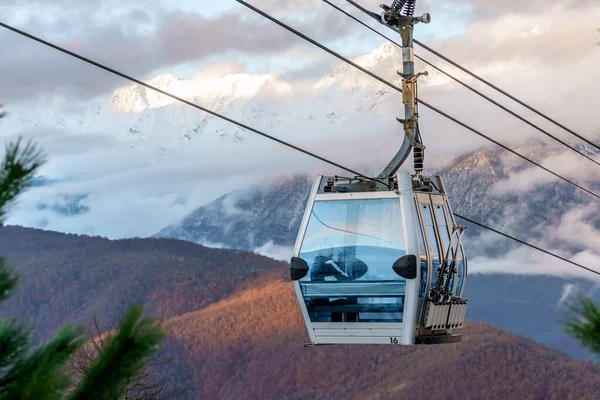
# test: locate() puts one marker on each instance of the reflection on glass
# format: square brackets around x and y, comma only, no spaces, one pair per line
[350,247]
[433,244]
[444,231]
[461,271]
[445,239]
[422,257]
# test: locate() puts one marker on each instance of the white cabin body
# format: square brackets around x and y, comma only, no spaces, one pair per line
[351,251]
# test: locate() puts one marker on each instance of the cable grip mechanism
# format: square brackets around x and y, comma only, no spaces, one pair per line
[409,98]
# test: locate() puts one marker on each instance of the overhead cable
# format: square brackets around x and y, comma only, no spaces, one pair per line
[388,83]
[527,244]
[484,81]
[466,85]
[189,103]
[125,76]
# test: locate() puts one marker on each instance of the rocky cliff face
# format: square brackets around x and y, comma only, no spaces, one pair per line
[248,218]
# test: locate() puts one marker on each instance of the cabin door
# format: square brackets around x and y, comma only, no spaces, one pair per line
[437,224]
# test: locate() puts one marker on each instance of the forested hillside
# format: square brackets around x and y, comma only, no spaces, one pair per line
[252,347]
[235,330]
[74,277]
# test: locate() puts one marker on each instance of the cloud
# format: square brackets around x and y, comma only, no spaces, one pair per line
[138,42]
[281,253]
[574,237]
[527,261]
[483,9]
[572,293]
[569,289]
[529,37]
[578,227]
[125,185]
[567,164]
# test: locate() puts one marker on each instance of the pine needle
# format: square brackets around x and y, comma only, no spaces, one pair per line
[41,375]
[585,324]
[8,280]
[18,167]
[124,356]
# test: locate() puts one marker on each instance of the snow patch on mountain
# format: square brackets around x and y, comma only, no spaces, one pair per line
[262,217]
[133,99]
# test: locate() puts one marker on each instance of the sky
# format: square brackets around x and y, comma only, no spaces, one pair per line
[544,51]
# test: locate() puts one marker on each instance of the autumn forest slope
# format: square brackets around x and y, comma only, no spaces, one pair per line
[236,332]
[251,346]
[68,277]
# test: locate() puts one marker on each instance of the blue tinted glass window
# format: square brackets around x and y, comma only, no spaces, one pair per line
[461,271]
[422,257]
[445,236]
[444,231]
[432,241]
[350,247]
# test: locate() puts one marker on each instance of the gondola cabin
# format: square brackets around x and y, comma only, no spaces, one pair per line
[380,263]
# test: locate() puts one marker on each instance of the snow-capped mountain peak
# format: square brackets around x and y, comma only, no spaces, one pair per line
[385,60]
[133,99]
[387,51]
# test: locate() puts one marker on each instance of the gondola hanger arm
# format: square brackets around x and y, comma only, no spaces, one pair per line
[400,17]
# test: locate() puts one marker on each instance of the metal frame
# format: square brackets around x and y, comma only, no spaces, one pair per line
[299,240]
[450,216]
[412,285]
[355,196]
[404,25]
[419,216]
[434,200]
[423,198]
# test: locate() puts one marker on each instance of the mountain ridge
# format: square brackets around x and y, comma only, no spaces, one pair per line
[66,276]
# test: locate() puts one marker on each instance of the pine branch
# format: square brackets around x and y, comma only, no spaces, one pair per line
[41,375]
[14,341]
[585,325]
[8,280]
[18,168]
[125,354]
[44,373]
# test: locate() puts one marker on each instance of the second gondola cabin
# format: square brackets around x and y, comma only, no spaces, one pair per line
[380,263]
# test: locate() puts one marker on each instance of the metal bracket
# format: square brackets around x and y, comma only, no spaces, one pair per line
[408,123]
[410,101]
[455,241]
[415,77]
[404,25]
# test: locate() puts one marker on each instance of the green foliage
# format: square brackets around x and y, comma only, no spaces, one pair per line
[8,281]
[14,340]
[585,324]
[124,356]
[18,167]
[42,373]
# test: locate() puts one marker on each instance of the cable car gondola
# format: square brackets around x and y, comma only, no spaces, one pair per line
[380,260]
[379,266]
